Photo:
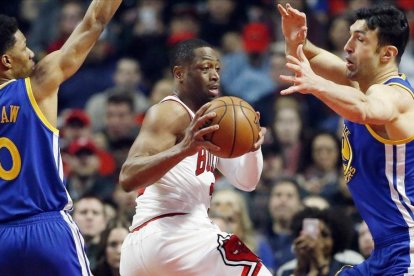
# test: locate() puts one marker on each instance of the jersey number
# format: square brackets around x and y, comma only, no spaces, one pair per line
[14,171]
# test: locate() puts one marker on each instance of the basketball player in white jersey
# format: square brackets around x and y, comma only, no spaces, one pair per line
[171,233]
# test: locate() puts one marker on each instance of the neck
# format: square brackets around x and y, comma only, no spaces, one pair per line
[379,78]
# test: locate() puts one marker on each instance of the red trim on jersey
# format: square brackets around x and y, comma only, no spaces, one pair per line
[155,218]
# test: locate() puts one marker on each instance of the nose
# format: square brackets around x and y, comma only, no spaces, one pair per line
[347,47]
[31,53]
[215,76]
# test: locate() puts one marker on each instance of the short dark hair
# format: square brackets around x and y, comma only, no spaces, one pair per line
[8,27]
[183,52]
[392,25]
[125,97]
[334,218]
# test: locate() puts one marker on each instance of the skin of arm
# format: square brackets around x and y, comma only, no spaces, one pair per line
[324,63]
[380,105]
[167,136]
[58,66]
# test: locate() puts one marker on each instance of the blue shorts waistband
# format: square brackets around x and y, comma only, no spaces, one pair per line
[33,219]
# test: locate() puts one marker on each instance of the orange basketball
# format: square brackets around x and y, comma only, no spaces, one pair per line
[239,126]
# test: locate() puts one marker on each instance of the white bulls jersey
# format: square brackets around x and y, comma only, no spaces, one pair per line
[171,232]
[186,188]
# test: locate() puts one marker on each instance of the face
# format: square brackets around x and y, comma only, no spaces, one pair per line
[325,152]
[325,239]
[284,201]
[287,126]
[119,120]
[225,205]
[89,216]
[21,57]
[113,246]
[84,163]
[362,55]
[127,74]
[201,77]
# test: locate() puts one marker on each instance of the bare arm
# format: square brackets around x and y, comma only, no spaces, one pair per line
[58,66]
[380,105]
[156,149]
[324,63]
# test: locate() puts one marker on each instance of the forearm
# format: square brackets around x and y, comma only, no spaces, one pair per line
[142,171]
[346,101]
[243,172]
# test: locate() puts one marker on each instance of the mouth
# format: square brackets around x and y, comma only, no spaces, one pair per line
[214,90]
[349,63]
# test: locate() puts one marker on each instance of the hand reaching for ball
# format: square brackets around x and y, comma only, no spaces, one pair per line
[239,130]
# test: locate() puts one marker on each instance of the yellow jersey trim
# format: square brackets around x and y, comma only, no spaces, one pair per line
[6,83]
[37,109]
[387,141]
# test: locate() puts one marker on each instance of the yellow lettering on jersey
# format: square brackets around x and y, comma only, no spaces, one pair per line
[14,110]
[4,118]
[11,116]
[14,171]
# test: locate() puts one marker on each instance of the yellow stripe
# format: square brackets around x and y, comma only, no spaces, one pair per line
[6,83]
[387,141]
[37,109]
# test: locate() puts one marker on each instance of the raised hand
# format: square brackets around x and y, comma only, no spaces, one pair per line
[194,134]
[294,26]
[304,79]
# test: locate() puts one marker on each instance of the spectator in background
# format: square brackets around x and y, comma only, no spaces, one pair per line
[71,14]
[289,134]
[324,169]
[127,80]
[246,74]
[76,124]
[145,38]
[89,215]
[125,203]
[109,251]
[84,171]
[221,17]
[119,123]
[315,254]
[161,89]
[230,206]
[365,241]
[284,203]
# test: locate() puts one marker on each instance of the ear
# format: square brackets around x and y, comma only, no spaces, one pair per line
[6,61]
[388,52]
[178,72]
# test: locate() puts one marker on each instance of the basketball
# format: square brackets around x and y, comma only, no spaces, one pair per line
[239,126]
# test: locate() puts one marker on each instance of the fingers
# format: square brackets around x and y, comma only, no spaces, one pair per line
[300,53]
[202,110]
[282,10]
[260,141]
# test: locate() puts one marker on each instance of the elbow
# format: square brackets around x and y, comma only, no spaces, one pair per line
[126,181]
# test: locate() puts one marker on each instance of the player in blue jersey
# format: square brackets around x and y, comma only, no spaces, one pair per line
[377,103]
[37,235]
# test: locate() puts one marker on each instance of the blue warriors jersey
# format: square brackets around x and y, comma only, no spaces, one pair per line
[380,176]
[31,174]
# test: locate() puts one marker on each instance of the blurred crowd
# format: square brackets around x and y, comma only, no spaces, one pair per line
[102,106]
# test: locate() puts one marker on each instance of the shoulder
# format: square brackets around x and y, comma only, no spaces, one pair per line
[167,115]
[287,268]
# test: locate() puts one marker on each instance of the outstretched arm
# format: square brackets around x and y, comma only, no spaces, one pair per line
[58,66]
[380,105]
[324,63]
[156,151]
